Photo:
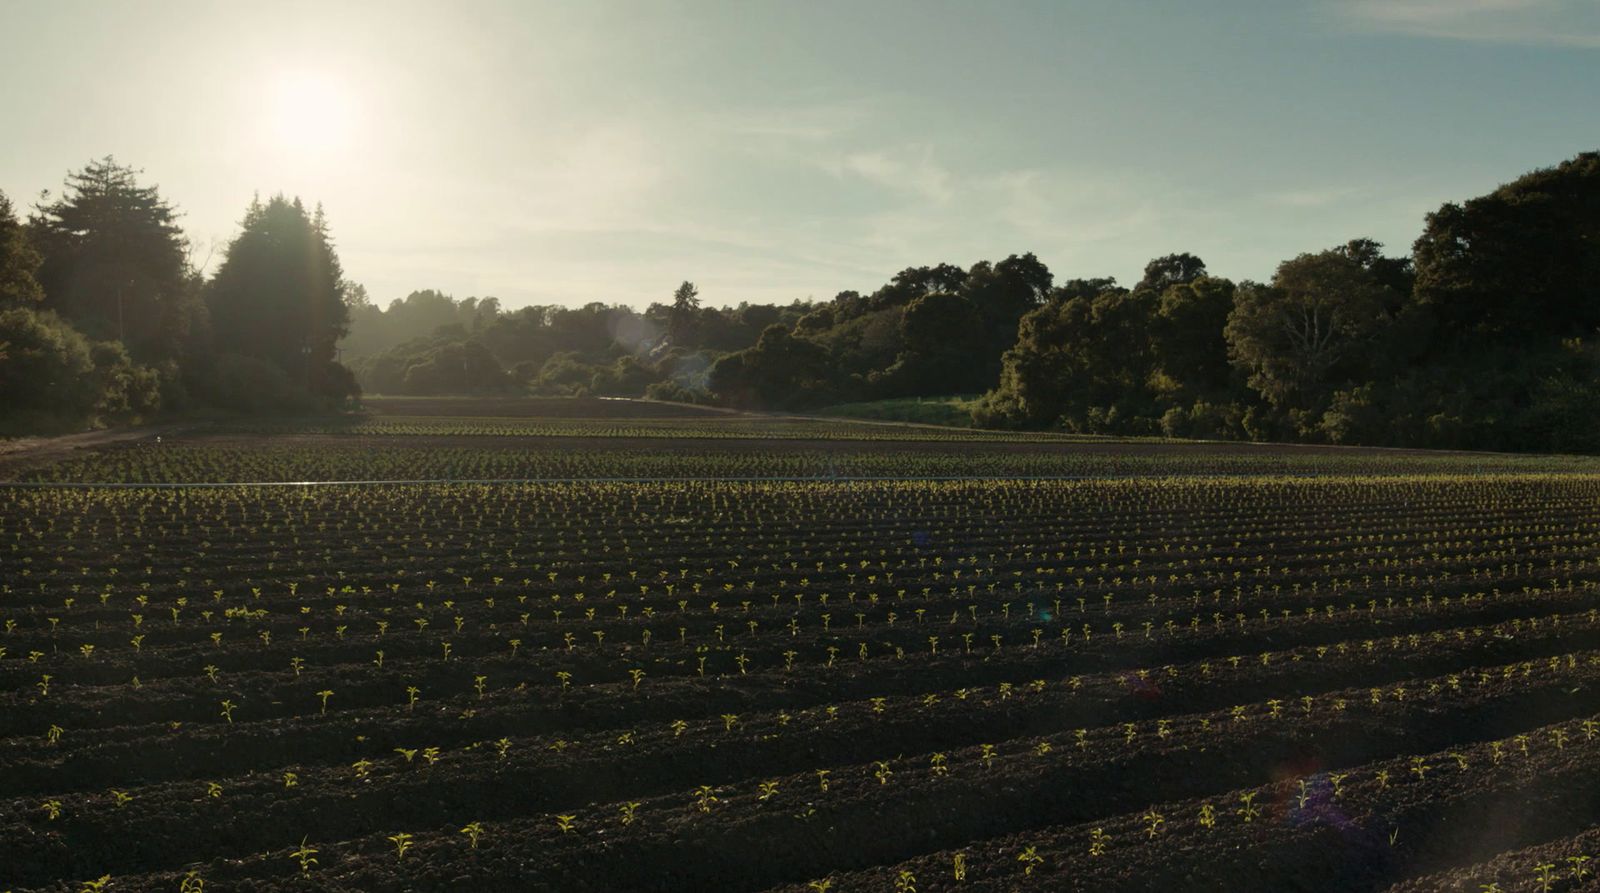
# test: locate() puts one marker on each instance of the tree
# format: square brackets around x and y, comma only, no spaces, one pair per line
[943,341]
[1190,351]
[1311,330]
[1520,262]
[115,261]
[279,296]
[19,261]
[685,303]
[1395,272]
[1002,293]
[906,286]
[780,370]
[1169,270]
[1082,363]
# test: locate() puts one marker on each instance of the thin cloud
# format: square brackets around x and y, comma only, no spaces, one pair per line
[913,171]
[1569,23]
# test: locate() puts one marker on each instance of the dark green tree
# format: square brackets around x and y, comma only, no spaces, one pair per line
[1082,364]
[1312,330]
[685,307]
[1002,293]
[1521,261]
[115,261]
[781,370]
[1191,355]
[19,261]
[943,350]
[1169,270]
[279,297]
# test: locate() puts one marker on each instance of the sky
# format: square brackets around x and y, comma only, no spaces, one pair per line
[568,152]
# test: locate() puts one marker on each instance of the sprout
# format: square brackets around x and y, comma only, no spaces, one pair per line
[305,855]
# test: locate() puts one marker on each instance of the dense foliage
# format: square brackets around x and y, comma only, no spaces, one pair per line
[1487,336]
[277,301]
[103,316]
[1486,339]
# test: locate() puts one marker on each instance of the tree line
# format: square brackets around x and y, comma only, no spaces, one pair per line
[106,316]
[1487,335]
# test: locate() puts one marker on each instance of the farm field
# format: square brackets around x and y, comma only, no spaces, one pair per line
[801,663]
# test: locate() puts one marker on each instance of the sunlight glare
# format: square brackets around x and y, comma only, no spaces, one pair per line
[310,114]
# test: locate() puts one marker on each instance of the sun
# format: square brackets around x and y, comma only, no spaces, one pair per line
[310,114]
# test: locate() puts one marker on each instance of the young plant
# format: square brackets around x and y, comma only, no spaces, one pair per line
[305,855]
[402,843]
[1248,810]
[704,799]
[473,832]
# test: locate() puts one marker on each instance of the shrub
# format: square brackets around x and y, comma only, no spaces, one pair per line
[51,376]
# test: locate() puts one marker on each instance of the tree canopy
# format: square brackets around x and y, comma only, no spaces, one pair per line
[115,260]
[279,296]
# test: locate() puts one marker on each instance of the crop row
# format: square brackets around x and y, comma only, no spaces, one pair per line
[339,458]
[1364,779]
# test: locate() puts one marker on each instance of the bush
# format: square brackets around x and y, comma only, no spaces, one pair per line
[52,377]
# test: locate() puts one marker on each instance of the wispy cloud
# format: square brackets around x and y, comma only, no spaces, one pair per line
[912,171]
[1571,23]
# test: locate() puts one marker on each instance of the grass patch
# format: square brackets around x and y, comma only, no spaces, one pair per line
[953,411]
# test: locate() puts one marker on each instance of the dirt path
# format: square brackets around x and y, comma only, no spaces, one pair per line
[23,452]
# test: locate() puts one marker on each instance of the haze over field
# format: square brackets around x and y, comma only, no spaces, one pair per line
[565,153]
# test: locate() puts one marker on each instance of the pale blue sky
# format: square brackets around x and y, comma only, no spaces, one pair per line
[578,151]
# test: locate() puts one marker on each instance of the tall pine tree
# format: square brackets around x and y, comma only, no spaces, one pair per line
[116,261]
[279,296]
